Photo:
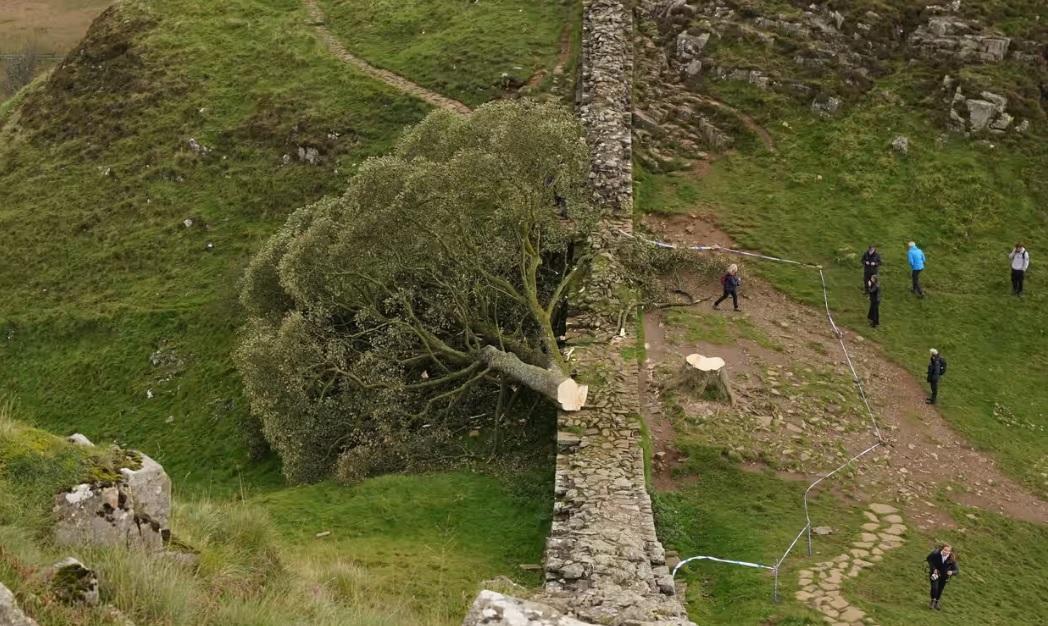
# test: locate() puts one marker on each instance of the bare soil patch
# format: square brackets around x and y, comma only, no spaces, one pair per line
[798,410]
[54,25]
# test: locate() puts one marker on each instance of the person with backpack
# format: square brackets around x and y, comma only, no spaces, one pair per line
[942,565]
[916,258]
[873,287]
[936,370]
[871,261]
[730,282]
[1020,259]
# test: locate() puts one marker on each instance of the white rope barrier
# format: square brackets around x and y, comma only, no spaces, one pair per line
[855,379]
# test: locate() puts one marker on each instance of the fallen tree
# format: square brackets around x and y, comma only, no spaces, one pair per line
[426,293]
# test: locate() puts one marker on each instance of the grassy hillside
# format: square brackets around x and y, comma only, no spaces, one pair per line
[121,318]
[395,550]
[135,182]
[834,186]
[460,49]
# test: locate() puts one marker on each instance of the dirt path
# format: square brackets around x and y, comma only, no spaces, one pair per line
[318,21]
[562,58]
[746,120]
[790,351]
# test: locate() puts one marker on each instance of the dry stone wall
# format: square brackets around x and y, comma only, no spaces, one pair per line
[604,563]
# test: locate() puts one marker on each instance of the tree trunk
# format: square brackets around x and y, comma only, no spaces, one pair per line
[706,377]
[550,382]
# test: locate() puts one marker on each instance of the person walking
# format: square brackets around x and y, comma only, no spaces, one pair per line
[730,281]
[916,258]
[873,287]
[871,260]
[936,370]
[942,565]
[1020,259]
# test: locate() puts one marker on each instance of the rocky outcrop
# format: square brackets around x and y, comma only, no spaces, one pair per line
[10,613]
[985,113]
[131,510]
[947,36]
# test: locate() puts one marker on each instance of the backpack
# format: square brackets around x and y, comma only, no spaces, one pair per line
[942,366]
[724,279]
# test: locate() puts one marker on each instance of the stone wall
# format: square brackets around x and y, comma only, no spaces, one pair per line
[604,97]
[604,563]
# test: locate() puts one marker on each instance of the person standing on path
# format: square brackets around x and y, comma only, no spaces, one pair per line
[1020,259]
[873,287]
[936,370]
[871,260]
[942,565]
[916,258]
[730,282]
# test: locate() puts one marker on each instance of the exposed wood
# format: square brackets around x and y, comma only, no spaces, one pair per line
[707,377]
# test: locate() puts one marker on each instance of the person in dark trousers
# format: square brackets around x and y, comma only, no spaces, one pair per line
[1020,259]
[873,287]
[936,370]
[871,260]
[916,258]
[730,282]
[942,565]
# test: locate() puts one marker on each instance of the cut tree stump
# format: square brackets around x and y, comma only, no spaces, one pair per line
[707,377]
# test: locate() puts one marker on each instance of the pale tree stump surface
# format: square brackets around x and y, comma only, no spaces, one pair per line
[706,377]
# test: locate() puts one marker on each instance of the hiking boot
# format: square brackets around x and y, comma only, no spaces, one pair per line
[737,309]
[938,607]
[931,603]
[716,307]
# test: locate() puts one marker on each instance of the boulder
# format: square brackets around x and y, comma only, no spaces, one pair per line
[10,613]
[73,583]
[690,47]
[132,511]
[980,112]
[79,440]
[901,144]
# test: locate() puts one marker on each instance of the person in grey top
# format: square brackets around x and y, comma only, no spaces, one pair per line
[1020,260]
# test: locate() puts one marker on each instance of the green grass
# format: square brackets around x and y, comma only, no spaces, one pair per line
[730,513]
[991,550]
[398,549]
[457,48]
[835,187]
[425,540]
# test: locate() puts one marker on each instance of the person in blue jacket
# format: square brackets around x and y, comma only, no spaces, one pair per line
[916,258]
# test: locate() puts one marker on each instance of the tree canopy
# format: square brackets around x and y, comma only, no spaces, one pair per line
[417,297]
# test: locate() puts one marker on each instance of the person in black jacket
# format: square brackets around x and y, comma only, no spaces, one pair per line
[936,370]
[730,281]
[942,565]
[873,287]
[871,260]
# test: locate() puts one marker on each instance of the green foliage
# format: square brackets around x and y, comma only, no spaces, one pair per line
[370,312]
[470,51]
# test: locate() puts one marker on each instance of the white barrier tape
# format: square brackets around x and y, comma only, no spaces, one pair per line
[673,574]
[855,379]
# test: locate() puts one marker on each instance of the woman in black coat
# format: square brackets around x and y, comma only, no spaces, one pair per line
[942,565]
